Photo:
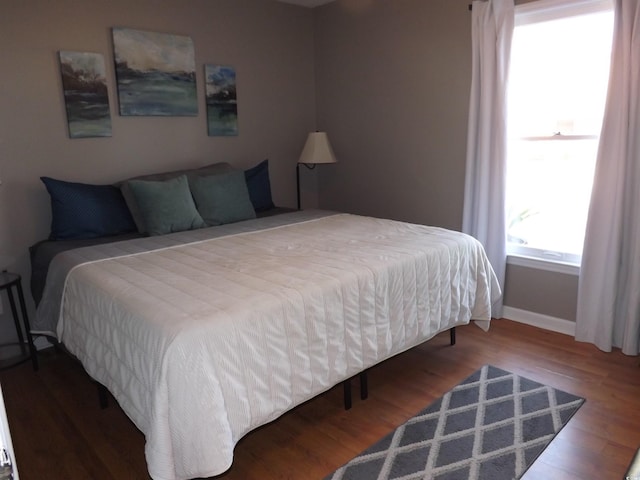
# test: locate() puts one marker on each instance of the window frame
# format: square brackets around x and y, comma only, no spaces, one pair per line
[525,14]
[546,10]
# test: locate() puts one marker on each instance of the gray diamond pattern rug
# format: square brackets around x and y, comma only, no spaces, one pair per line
[492,426]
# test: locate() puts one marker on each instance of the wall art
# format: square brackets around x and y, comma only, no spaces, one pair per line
[86,98]
[221,99]
[155,73]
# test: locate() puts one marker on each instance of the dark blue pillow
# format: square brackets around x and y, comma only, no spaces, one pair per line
[80,210]
[259,186]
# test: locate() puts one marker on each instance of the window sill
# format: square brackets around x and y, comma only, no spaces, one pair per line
[541,264]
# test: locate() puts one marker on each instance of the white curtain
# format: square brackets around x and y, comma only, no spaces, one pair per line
[608,312]
[485,182]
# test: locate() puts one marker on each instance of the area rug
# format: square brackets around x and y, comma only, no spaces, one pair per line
[492,426]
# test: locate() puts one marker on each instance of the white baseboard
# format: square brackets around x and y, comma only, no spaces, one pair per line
[539,320]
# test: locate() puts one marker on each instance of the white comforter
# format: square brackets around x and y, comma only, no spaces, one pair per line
[201,343]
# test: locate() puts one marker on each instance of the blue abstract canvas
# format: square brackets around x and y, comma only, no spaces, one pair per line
[86,97]
[155,72]
[222,104]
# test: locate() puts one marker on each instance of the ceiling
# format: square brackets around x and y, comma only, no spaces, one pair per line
[307,3]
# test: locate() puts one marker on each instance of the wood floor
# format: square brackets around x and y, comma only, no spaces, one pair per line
[59,432]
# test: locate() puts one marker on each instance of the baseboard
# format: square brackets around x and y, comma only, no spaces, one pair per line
[539,320]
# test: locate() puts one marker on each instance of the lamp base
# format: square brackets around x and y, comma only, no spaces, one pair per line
[310,166]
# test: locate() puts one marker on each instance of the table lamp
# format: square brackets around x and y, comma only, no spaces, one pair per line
[316,150]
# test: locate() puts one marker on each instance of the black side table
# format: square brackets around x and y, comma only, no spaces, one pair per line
[17,352]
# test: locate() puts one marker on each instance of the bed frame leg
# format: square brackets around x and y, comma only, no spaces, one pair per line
[364,389]
[347,393]
[103,395]
[364,386]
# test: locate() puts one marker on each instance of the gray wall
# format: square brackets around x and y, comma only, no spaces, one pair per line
[550,293]
[393,93]
[269,43]
[388,79]
[393,80]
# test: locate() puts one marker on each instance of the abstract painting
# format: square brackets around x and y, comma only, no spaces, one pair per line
[155,72]
[86,98]
[222,105]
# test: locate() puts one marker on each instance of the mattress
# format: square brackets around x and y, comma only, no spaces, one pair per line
[206,335]
[42,253]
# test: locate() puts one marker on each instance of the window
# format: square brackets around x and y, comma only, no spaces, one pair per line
[560,58]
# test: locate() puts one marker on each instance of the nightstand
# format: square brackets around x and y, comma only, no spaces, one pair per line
[12,354]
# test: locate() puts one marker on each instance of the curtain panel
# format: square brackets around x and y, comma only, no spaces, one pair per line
[485,182]
[608,313]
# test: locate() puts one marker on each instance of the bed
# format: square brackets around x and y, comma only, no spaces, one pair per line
[206,334]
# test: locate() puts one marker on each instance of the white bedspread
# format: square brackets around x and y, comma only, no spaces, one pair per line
[201,343]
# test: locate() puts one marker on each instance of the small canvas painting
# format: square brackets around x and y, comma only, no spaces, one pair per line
[86,97]
[222,105]
[156,73]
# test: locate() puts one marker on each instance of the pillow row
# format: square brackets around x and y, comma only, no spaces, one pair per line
[88,211]
[184,204]
[127,193]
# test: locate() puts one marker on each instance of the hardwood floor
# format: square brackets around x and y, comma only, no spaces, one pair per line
[59,431]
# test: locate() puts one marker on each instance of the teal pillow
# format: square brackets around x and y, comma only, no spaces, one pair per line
[212,169]
[166,206]
[222,198]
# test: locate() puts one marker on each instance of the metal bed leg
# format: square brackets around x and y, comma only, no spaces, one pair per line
[364,386]
[347,393]
[364,389]
[103,395]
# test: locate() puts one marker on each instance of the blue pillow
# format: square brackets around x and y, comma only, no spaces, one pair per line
[80,210]
[167,206]
[222,198]
[259,186]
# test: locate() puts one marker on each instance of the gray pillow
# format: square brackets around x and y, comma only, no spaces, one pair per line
[222,198]
[166,206]
[213,169]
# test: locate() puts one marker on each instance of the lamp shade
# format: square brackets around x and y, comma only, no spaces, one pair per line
[317,149]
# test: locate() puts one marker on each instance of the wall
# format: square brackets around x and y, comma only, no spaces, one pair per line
[269,43]
[393,80]
[389,80]
[392,91]
[549,293]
